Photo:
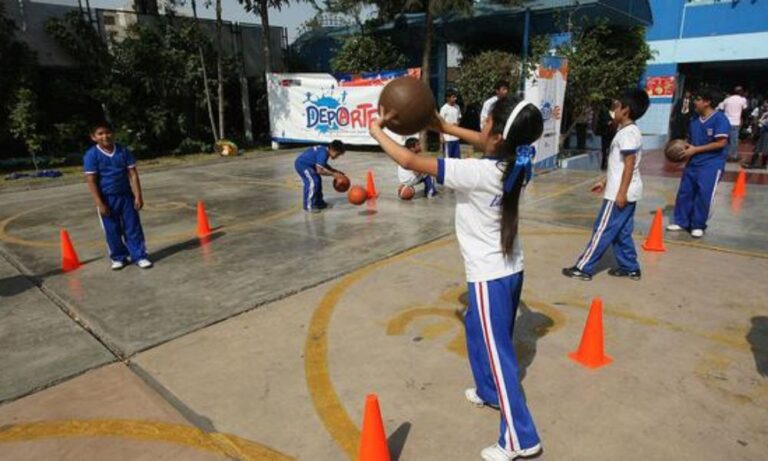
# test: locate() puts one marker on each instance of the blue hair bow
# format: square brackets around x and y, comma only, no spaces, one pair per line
[523,164]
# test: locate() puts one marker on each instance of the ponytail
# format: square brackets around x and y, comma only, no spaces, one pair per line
[520,123]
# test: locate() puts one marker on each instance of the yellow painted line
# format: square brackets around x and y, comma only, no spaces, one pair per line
[225,445]
[324,397]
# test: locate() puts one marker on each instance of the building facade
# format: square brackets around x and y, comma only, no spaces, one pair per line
[720,43]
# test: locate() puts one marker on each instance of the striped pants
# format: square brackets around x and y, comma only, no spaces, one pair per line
[489,323]
[613,227]
[312,194]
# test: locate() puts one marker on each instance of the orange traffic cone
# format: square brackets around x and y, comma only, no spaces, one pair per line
[740,188]
[203,228]
[373,440]
[591,353]
[370,186]
[69,260]
[655,240]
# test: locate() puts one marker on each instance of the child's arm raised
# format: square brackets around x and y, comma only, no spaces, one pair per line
[402,156]
[471,136]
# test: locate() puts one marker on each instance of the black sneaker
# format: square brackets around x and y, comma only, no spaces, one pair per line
[634,275]
[575,273]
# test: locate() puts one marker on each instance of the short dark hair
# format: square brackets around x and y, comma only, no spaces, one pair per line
[410,143]
[450,93]
[637,100]
[101,124]
[338,146]
[710,94]
[501,84]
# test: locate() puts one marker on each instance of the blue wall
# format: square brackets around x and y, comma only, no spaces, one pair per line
[674,19]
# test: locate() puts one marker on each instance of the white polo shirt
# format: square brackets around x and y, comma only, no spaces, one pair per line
[733,106]
[452,115]
[628,140]
[478,187]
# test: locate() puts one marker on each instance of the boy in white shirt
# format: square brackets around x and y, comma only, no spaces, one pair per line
[409,178]
[451,113]
[622,188]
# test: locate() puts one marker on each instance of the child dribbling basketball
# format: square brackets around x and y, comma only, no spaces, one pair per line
[310,165]
[487,194]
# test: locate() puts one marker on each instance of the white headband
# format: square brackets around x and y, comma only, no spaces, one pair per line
[515,112]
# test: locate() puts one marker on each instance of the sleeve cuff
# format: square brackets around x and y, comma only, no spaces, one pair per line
[90,172]
[440,171]
[722,135]
[629,151]
[132,166]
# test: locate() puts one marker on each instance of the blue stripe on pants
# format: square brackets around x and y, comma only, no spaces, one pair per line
[695,196]
[489,323]
[452,149]
[613,227]
[122,228]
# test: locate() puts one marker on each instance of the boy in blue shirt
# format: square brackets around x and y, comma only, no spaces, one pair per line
[110,172]
[310,165]
[706,151]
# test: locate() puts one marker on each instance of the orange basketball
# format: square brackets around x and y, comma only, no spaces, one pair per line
[674,150]
[406,192]
[341,183]
[357,195]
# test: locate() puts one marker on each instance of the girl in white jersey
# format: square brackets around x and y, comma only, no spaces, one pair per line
[487,195]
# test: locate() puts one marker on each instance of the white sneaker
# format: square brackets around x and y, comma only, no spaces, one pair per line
[697,233]
[674,228]
[117,265]
[144,263]
[473,398]
[496,453]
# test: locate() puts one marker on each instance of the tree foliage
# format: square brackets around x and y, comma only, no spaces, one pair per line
[24,122]
[602,61]
[362,53]
[478,74]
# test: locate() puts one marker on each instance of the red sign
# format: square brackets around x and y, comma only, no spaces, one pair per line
[660,87]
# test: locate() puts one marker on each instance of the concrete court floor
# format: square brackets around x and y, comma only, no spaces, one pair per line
[192,380]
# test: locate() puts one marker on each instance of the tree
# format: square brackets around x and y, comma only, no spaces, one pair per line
[24,123]
[18,63]
[479,73]
[220,69]
[204,73]
[360,53]
[602,61]
[262,8]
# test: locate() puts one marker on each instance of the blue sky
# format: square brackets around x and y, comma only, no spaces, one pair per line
[290,17]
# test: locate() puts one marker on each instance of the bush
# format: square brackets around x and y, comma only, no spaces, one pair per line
[364,53]
[478,75]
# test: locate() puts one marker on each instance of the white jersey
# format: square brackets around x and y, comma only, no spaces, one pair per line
[452,115]
[478,187]
[407,177]
[486,110]
[628,140]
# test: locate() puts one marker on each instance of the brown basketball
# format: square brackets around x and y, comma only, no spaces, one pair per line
[413,103]
[357,195]
[674,150]
[406,192]
[341,183]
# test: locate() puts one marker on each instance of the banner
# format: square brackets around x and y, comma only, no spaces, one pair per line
[546,89]
[305,108]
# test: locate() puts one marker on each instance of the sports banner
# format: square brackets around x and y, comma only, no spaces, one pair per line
[306,108]
[546,89]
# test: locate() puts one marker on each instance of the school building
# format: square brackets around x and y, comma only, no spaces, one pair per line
[722,43]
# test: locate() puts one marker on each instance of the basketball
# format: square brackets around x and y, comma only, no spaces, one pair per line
[341,183]
[406,192]
[674,150]
[413,104]
[357,195]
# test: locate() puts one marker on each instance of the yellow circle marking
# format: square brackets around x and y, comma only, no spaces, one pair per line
[222,444]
